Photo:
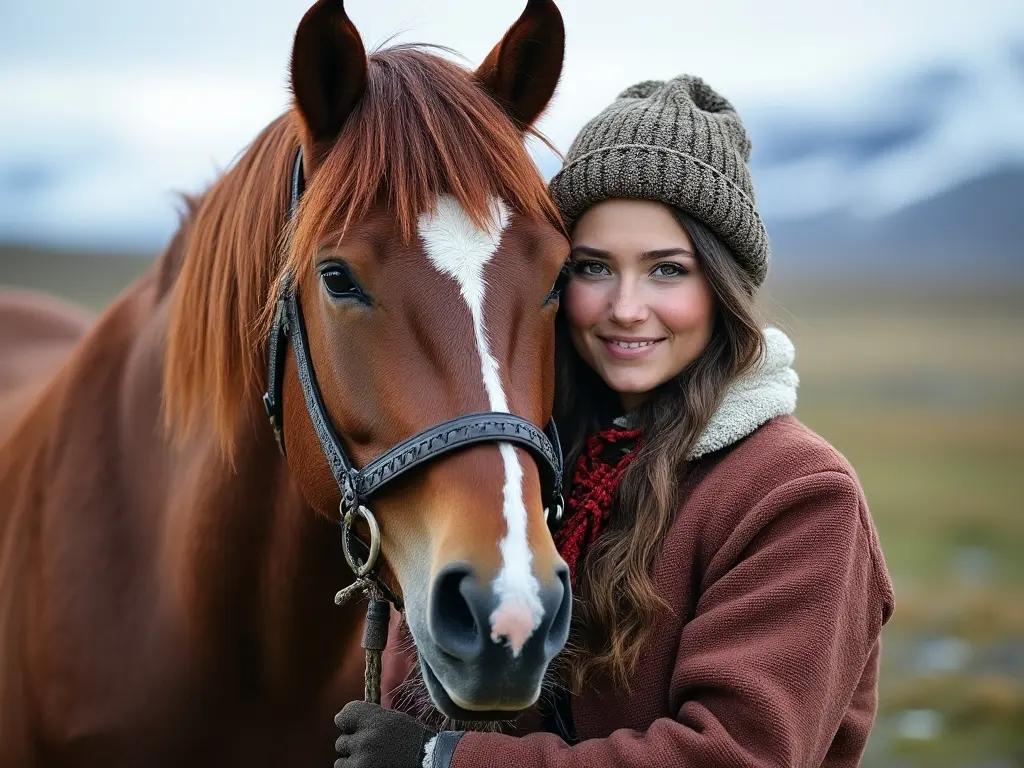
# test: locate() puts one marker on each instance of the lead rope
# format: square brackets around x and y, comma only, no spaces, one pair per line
[375,632]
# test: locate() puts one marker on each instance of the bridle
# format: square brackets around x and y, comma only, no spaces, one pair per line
[358,486]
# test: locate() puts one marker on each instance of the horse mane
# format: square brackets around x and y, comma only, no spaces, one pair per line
[424,127]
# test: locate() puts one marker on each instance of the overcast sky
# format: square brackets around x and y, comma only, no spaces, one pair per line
[749,49]
[180,87]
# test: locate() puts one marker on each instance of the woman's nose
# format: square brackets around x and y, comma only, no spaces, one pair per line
[628,304]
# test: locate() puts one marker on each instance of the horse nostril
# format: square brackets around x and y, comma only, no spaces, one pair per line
[466,623]
[458,616]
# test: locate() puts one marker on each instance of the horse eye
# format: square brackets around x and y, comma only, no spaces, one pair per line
[339,284]
[560,283]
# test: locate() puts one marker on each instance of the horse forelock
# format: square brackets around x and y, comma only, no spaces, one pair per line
[424,128]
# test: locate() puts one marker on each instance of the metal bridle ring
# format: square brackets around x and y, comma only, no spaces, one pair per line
[559,506]
[349,518]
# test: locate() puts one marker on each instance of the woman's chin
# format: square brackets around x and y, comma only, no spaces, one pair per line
[632,386]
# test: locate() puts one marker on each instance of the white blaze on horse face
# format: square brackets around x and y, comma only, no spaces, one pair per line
[458,248]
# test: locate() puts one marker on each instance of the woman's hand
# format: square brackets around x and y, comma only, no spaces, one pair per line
[372,737]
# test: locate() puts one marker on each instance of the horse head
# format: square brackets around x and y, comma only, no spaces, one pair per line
[423,261]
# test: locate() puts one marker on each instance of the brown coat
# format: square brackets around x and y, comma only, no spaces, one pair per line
[770,657]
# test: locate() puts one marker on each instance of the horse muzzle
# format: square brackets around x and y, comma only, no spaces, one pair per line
[484,655]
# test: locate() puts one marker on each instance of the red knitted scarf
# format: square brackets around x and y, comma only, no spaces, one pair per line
[594,481]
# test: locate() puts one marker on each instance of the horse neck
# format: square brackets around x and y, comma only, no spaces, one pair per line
[248,569]
[261,568]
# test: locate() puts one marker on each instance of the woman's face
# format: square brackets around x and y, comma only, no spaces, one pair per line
[640,309]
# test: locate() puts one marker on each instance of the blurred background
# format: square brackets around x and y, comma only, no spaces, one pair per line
[889,164]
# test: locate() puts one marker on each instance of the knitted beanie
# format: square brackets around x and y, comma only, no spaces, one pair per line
[677,142]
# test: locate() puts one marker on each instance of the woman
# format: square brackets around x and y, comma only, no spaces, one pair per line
[731,590]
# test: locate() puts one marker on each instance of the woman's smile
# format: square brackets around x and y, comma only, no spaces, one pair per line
[623,348]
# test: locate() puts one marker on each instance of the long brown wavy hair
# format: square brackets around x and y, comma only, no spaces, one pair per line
[617,605]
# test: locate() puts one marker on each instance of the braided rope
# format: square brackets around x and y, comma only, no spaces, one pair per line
[372,677]
[375,634]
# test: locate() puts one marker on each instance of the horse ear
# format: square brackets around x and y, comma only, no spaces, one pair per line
[328,69]
[522,70]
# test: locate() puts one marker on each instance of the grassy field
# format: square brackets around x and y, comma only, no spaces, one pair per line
[924,393]
[89,279]
[923,390]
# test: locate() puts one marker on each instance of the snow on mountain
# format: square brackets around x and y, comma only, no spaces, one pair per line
[872,152]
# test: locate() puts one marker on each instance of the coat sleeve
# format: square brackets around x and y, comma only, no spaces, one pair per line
[787,623]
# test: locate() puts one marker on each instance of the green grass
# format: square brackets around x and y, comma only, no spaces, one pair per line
[924,394]
[923,391]
[89,279]
[934,490]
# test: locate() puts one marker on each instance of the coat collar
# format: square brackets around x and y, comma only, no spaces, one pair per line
[767,391]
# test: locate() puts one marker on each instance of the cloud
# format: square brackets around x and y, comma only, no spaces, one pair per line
[99,158]
[108,111]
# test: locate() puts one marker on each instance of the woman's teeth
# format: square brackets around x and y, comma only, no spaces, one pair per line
[631,344]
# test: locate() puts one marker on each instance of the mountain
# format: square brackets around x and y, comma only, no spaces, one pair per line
[922,176]
[973,231]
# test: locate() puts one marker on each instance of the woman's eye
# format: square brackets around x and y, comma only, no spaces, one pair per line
[591,268]
[670,270]
[339,284]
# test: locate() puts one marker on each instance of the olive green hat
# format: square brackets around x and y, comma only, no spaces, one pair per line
[678,142]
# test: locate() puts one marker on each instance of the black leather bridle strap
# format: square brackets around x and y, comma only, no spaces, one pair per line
[462,432]
[278,349]
[337,459]
[277,353]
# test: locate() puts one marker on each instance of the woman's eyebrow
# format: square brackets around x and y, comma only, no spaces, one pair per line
[662,253]
[587,250]
[658,253]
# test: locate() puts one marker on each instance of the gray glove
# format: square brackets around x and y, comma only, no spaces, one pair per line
[373,737]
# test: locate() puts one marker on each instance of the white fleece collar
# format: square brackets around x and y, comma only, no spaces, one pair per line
[769,390]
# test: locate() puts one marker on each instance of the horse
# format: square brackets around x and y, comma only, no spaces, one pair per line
[37,333]
[379,273]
